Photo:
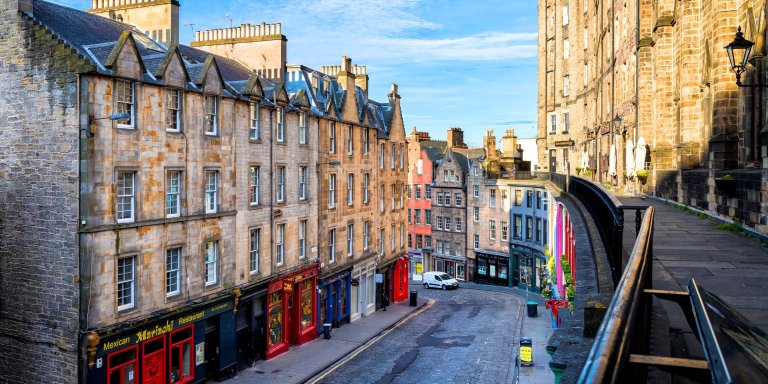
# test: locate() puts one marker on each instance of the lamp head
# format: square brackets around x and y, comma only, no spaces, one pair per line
[738,52]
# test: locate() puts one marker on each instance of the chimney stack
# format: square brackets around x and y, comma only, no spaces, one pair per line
[456,138]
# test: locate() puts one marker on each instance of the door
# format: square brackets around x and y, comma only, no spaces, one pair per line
[290,316]
[153,361]
[211,347]
[553,160]
[363,295]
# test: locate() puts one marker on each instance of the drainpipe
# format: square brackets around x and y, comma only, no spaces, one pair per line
[637,70]
[271,194]
[611,137]
[83,259]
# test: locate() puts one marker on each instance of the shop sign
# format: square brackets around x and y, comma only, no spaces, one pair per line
[162,328]
[564,143]
[526,353]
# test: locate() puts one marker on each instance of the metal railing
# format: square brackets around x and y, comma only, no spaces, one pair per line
[626,327]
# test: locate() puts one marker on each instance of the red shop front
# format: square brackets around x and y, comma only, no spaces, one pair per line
[292,311]
[400,280]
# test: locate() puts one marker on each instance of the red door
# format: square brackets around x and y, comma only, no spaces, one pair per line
[153,361]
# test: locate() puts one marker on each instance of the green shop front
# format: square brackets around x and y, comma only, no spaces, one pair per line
[528,267]
[189,346]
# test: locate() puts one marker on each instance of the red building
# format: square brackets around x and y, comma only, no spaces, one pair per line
[422,152]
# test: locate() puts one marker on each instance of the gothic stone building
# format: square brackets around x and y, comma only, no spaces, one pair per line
[613,79]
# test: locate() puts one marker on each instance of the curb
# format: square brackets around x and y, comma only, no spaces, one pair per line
[319,374]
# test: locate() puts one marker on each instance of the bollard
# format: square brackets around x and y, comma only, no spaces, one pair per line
[414,296]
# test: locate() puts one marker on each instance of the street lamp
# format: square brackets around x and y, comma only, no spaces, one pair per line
[738,54]
[617,125]
[92,120]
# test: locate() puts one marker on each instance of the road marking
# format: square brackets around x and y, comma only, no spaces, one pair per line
[370,342]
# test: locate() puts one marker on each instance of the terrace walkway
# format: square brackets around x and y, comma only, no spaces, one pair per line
[685,245]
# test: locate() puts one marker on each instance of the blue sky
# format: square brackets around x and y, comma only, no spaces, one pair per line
[470,64]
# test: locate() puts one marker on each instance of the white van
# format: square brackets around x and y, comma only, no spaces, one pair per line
[440,280]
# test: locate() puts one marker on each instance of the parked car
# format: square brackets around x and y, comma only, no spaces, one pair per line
[440,280]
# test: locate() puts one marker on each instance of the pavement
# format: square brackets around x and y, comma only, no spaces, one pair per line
[305,362]
[689,244]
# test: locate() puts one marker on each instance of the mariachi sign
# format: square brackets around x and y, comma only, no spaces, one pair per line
[161,328]
[564,143]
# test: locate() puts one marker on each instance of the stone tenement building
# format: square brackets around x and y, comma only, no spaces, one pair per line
[656,72]
[165,201]
[423,155]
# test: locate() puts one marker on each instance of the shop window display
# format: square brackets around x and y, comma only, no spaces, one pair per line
[122,367]
[181,356]
[275,318]
[482,268]
[306,303]
[342,299]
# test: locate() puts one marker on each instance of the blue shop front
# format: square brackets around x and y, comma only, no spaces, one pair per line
[334,300]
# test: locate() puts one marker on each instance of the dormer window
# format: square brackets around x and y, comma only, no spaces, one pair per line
[124,93]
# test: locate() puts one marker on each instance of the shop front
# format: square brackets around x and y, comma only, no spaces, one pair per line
[452,265]
[362,290]
[492,268]
[291,310]
[190,347]
[399,278]
[250,326]
[417,264]
[528,268]
[334,300]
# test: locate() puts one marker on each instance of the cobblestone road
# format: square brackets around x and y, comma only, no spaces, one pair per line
[467,336]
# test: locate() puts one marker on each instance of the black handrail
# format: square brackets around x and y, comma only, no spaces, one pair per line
[627,321]
[608,217]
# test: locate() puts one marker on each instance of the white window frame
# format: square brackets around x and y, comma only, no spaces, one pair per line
[366,183]
[457,224]
[172,271]
[392,156]
[280,244]
[492,229]
[302,239]
[211,194]
[366,141]
[210,111]
[332,191]
[254,131]
[350,239]
[125,282]
[303,183]
[280,192]
[382,155]
[392,237]
[303,128]
[254,242]
[552,123]
[459,200]
[476,214]
[492,199]
[427,217]
[392,190]
[402,158]
[565,15]
[476,241]
[475,191]
[125,102]
[211,262]
[402,234]
[566,85]
[172,110]
[332,137]
[402,196]
[350,140]
[254,185]
[280,136]
[566,49]
[504,231]
[350,189]
[332,246]
[566,121]
[366,235]
[126,196]
[173,193]
[382,198]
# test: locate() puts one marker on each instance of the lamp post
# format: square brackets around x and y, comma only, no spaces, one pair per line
[738,55]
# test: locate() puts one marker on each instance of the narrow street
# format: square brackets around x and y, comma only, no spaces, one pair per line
[467,336]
